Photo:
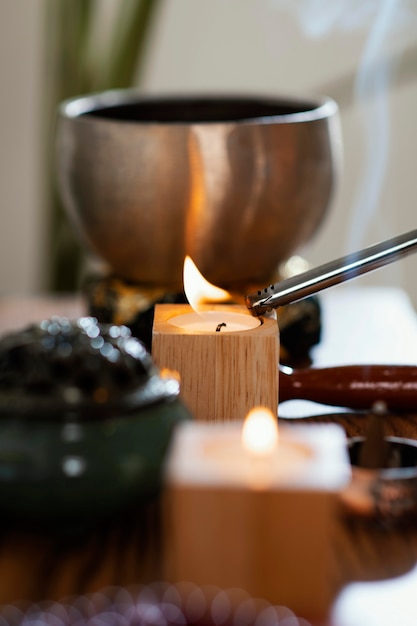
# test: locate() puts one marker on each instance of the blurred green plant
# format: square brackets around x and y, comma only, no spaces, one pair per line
[92,45]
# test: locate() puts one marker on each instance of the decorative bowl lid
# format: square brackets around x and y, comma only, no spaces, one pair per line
[65,369]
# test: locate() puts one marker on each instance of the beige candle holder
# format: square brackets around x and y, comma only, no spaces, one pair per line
[223,374]
[273,539]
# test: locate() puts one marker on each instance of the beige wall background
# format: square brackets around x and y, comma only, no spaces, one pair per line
[242,46]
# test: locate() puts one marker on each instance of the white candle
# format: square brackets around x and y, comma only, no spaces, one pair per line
[223,461]
[214,321]
[214,454]
[249,455]
[227,462]
[252,455]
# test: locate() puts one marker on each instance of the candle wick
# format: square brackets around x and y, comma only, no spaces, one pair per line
[219,326]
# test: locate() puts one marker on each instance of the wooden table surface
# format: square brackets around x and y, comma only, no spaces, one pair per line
[375,573]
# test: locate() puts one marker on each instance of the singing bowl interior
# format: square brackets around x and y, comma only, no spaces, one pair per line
[237,183]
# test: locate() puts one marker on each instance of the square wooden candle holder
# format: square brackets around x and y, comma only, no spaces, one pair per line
[264,526]
[223,374]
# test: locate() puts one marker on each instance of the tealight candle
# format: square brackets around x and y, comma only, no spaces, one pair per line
[198,291]
[256,459]
[270,537]
[215,321]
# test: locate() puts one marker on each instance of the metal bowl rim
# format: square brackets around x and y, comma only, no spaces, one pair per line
[320,107]
[388,473]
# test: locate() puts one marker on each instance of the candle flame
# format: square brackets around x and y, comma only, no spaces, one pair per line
[260,432]
[197,289]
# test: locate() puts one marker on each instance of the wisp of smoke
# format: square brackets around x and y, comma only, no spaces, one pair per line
[382,19]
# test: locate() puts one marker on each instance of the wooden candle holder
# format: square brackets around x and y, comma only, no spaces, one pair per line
[274,541]
[223,375]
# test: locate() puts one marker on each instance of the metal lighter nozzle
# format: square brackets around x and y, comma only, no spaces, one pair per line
[332,273]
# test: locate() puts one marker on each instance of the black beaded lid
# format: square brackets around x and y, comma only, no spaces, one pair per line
[79,367]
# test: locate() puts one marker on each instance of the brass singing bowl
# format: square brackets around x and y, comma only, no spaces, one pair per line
[236,182]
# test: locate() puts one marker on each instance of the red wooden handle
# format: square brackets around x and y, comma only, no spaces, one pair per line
[353,386]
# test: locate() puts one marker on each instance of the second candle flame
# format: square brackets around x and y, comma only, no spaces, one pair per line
[260,432]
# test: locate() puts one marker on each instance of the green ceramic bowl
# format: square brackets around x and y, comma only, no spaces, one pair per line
[82,437]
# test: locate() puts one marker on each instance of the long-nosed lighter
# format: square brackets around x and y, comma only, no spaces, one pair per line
[332,273]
